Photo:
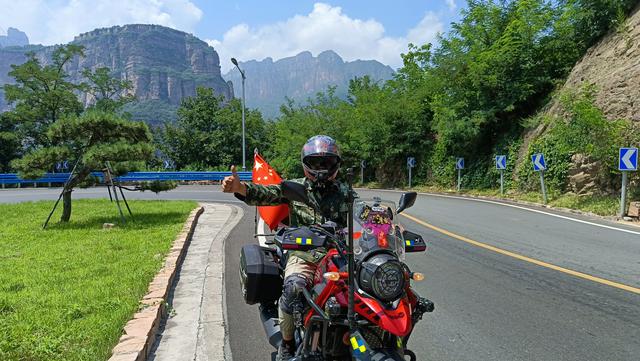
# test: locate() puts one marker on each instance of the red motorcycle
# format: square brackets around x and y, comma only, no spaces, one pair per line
[361,306]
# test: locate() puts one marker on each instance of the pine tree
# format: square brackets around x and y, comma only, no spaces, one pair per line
[89,141]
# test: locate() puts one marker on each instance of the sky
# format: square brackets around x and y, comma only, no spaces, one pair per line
[250,29]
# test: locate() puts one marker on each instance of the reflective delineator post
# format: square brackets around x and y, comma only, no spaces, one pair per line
[544,189]
[623,195]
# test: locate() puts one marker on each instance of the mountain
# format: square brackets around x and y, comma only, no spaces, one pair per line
[164,65]
[14,37]
[299,77]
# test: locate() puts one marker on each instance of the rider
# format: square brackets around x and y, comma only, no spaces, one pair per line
[321,162]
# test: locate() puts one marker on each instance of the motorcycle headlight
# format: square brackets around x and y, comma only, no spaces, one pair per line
[383,277]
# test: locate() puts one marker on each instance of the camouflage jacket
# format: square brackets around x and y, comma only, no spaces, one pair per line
[329,204]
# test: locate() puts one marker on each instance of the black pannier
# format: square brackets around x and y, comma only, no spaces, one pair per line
[259,275]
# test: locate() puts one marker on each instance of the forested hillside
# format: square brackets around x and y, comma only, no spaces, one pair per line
[479,92]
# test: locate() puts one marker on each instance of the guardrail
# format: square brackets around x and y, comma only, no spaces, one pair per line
[49,178]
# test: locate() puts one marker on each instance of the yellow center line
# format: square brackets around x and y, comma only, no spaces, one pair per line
[525,258]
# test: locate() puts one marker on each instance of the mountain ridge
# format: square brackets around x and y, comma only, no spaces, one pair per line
[164,65]
[269,83]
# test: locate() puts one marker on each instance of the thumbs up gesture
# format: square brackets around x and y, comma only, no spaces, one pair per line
[232,184]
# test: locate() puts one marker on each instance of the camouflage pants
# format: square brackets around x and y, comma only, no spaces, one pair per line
[295,266]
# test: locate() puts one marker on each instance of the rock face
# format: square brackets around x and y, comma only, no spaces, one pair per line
[299,77]
[587,177]
[14,37]
[161,63]
[164,65]
[613,66]
[9,56]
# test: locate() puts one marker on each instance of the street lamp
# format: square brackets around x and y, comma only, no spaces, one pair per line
[244,161]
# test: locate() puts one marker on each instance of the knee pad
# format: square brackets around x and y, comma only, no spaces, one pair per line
[291,290]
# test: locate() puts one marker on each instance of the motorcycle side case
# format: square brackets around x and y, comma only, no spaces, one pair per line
[259,275]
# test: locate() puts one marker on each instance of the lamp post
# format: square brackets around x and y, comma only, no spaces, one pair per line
[244,160]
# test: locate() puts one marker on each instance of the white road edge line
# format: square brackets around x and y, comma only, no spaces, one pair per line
[522,208]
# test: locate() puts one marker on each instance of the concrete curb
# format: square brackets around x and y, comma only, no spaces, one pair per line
[140,332]
[517,202]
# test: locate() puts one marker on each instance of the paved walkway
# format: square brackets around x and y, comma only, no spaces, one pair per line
[195,329]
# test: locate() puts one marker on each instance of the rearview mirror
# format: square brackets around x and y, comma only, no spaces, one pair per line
[294,192]
[407,200]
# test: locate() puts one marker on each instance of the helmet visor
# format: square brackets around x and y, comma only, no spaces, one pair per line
[322,163]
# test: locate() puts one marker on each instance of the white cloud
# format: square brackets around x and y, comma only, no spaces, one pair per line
[451,4]
[58,21]
[326,27]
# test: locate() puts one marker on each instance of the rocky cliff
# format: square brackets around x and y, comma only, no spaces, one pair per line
[613,66]
[299,77]
[14,37]
[164,65]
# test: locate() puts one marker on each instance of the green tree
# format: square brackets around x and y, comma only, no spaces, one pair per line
[41,95]
[89,141]
[9,143]
[110,94]
[325,114]
[381,124]
[208,133]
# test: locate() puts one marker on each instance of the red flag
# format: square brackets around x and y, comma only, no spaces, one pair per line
[265,175]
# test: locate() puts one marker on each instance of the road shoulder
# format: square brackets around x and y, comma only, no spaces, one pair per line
[195,329]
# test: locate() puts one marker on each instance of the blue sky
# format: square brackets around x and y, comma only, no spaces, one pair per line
[396,16]
[250,29]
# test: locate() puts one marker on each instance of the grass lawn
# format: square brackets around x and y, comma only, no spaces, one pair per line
[66,292]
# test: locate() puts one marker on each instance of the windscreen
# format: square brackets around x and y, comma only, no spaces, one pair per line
[376,228]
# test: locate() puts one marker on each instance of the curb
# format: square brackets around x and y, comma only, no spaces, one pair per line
[139,333]
[614,219]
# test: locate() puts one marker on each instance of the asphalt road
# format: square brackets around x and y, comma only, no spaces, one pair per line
[198,193]
[509,283]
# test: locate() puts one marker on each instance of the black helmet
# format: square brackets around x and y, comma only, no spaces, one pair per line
[321,158]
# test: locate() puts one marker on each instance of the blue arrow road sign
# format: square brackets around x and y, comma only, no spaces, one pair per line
[628,159]
[501,162]
[460,163]
[411,162]
[65,164]
[538,162]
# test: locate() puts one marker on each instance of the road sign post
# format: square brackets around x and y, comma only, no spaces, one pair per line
[627,162]
[362,165]
[542,186]
[501,165]
[623,195]
[539,165]
[459,167]
[411,162]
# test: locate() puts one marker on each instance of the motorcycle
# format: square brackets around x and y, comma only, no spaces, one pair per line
[361,306]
